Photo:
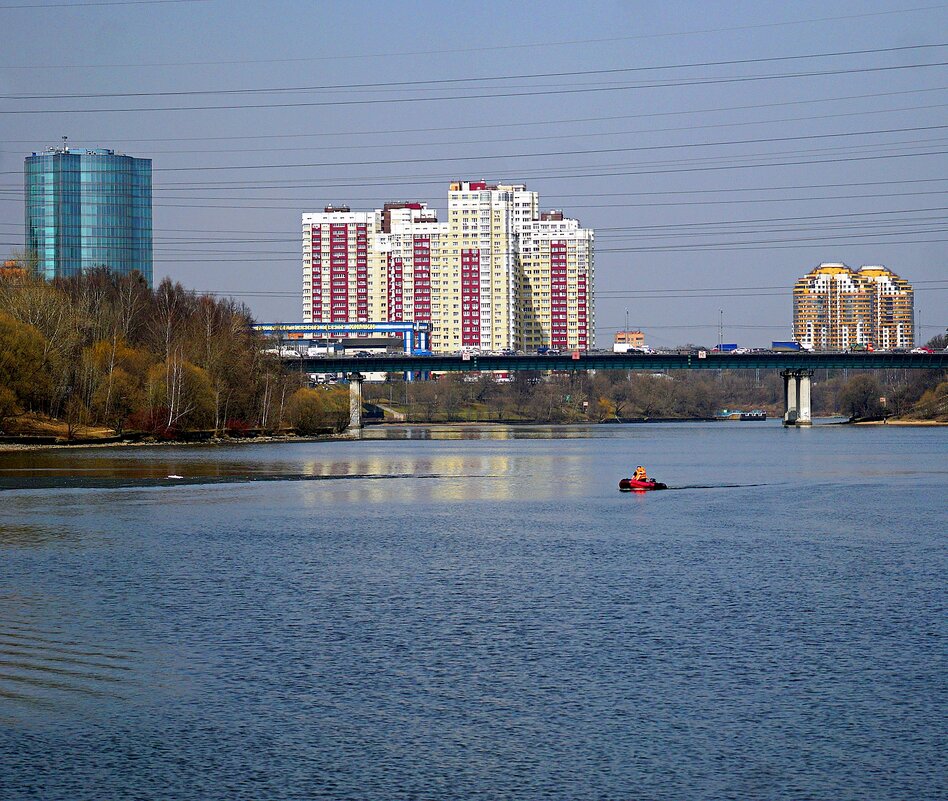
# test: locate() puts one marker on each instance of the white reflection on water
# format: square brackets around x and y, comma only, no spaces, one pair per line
[440,477]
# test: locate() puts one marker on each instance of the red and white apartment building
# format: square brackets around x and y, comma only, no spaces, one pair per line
[499,274]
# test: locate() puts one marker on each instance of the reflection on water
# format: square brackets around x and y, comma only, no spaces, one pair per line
[485,432]
[427,475]
[25,535]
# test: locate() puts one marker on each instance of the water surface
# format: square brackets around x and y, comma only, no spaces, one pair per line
[479,614]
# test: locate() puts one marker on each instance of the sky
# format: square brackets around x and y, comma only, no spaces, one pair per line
[720,150]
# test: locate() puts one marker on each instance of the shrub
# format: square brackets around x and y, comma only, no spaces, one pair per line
[312,410]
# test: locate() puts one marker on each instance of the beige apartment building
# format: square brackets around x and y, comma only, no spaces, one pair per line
[634,339]
[837,308]
[497,275]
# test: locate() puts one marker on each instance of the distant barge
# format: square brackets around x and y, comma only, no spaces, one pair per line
[731,414]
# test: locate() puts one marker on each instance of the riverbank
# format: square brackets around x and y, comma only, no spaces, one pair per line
[6,447]
[906,423]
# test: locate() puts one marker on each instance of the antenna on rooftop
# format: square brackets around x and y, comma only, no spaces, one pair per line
[65,148]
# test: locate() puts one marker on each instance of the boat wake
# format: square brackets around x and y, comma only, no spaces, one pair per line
[715,486]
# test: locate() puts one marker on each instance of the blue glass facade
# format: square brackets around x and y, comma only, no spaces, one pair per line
[88,209]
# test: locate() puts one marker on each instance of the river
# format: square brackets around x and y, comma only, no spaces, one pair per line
[478,613]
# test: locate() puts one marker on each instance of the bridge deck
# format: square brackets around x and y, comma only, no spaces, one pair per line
[625,361]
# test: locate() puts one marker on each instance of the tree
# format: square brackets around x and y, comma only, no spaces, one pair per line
[305,411]
[117,399]
[311,411]
[426,394]
[933,405]
[22,364]
[605,409]
[860,397]
[9,406]
[184,390]
[76,415]
[938,342]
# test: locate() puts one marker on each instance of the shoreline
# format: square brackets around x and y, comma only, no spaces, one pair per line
[902,423]
[9,447]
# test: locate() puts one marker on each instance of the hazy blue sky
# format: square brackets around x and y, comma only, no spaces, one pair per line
[711,187]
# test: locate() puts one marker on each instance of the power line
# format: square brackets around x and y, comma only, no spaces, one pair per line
[545,154]
[696,239]
[722,190]
[612,172]
[613,294]
[456,50]
[756,201]
[513,123]
[786,292]
[915,142]
[296,207]
[587,135]
[639,231]
[429,82]
[96,3]
[764,244]
[570,174]
[485,95]
[621,293]
[770,243]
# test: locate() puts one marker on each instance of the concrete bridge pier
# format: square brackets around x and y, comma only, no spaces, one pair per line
[789,397]
[796,397]
[355,403]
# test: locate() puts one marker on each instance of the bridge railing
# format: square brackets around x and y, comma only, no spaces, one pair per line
[620,361]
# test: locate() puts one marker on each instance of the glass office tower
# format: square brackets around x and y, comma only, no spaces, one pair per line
[87,209]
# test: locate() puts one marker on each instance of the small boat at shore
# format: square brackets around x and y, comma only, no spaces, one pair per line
[633,485]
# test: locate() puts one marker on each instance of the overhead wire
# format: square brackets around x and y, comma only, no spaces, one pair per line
[96,3]
[474,125]
[430,82]
[762,244]
[484,95]
[915,142]
[484,48]
[587,135]
[809,222]
[553,153]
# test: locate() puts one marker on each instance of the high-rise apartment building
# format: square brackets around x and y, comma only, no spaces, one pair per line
[836,308]
[336,265]
[486,223]
[498,274]
[411,250]
[556,306]
[87,209]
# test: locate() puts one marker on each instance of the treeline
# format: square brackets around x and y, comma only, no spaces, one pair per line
[610,396]
[106,350]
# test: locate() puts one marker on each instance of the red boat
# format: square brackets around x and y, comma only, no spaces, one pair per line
[633,485]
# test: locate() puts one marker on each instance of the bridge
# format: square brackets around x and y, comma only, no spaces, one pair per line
[796,368]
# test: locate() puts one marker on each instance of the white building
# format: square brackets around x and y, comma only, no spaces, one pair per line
[499,274]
